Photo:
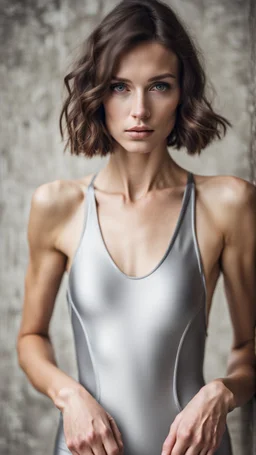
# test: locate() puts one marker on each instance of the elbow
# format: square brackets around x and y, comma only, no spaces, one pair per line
[19,350]
[23,348]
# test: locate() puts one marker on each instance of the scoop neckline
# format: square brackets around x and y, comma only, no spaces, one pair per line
[171,240]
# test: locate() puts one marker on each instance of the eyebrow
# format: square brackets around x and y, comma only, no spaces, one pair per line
[159,76]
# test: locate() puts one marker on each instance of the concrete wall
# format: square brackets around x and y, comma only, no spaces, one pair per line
[39,40]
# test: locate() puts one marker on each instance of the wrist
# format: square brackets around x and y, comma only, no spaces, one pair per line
[220,389]
[67,393]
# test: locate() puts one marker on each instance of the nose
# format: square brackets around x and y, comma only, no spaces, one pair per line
[140,108]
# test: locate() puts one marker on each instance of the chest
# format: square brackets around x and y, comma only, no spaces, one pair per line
[99,274]
[137,236]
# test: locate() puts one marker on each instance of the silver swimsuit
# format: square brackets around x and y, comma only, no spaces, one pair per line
[139,341]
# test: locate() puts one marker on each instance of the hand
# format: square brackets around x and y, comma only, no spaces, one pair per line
[88,428]
[199,427]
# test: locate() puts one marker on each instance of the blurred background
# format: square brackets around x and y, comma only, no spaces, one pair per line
[39,41]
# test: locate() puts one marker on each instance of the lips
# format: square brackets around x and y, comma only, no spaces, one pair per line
[139,134]
[139,130]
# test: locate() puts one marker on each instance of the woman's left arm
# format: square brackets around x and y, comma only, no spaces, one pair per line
[238,265]
[199,427]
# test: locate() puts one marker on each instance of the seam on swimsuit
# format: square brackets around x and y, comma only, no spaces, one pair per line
[98,392]
[69,305]
[199,260]
[175,372]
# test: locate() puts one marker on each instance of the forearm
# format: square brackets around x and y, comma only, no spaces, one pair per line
[242,386]
[36,358]
[241,376]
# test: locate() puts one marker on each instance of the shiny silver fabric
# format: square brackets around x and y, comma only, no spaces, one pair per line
[140,341]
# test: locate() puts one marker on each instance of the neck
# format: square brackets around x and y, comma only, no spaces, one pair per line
[135,175]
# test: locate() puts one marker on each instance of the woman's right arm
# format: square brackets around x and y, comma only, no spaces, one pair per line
[50,209]
[46,266]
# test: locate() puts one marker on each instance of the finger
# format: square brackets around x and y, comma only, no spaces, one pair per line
[95,446]
[87,451]
[170,440]
[116,436]
[206,452]
[195,451]
[180,448]
[96,449]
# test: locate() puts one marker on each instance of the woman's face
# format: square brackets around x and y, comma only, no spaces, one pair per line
[144,98]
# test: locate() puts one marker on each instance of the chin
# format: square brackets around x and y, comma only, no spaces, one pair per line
[138,148]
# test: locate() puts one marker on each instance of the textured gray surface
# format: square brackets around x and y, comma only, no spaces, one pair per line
[252,110]
[38,42]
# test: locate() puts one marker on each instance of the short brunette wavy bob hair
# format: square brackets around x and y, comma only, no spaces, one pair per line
[128,24]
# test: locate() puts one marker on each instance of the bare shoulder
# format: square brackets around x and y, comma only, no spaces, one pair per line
[53,203]
[229,199]
[229,188]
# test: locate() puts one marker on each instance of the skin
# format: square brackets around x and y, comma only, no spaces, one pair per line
[139,178]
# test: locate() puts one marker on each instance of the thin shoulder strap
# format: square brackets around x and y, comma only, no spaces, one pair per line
[92,180]
[190,178]
[187,193]
[197,249]
[86,222]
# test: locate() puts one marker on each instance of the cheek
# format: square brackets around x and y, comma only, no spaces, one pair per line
[114,117]
[174,100]
[166,113]
[172,104]
[115,110]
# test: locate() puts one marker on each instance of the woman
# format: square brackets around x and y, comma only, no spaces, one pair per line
[143,242]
